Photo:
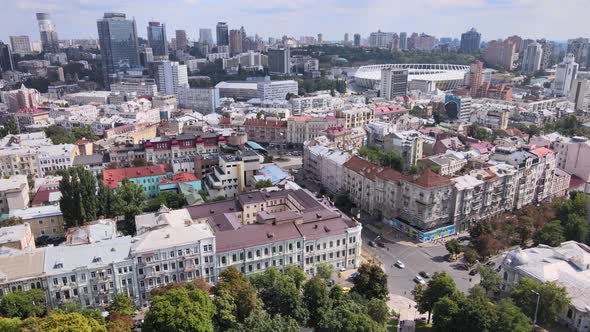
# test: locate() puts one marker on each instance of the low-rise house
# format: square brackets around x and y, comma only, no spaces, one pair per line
[14,193]
[44,220]
[148,177]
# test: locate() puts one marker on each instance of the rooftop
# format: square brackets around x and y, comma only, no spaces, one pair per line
[112,177]
[36,212]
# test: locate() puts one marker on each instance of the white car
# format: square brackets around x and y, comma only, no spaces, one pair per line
[419,280]
[400,264]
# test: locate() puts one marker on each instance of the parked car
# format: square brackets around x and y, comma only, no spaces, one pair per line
[354,275]
[371,243]
[419,280]
[381,244]
[400,264]
[424,274]
[473,272]
[491,263]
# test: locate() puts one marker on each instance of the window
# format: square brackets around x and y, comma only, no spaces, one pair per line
[55,282]
[165,267]
[73,278]
[140,271]
[233,257]
[249,255]
[93,275]
[222,259]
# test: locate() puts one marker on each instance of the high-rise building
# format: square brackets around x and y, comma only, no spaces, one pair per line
[156,33]
[205,36]
[470,41]
[6,63]
[580,94]
[346,38]
[170,76]
[181,40]
[279,61]
[424,42]
[533,55]
[475,77]
[380,39]
[146,56]
[517,41]
[403,41]
[547,58]
[235,41]
[499,53]
[222,34]
[357,40]
[118,44]
[320,38]
[20,45]
[580,48]
[395,42]
[49,38]
[394,83]
[565,73]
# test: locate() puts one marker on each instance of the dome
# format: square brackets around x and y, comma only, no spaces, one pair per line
[517,257]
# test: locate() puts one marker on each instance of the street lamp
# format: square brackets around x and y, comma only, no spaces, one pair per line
[536,307]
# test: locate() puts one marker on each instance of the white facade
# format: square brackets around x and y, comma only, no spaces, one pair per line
[170,77]
[202,100]
[394,83]
[565,74]
[143,88]
[533,54]
[268,89]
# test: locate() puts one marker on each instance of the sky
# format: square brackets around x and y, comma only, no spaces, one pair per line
[551,19]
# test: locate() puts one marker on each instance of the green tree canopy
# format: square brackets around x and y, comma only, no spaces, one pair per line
[316,300]
[243,295]
[22,305]
[490,279]
[325,270]
[78,196]
[453,247]
[439,286]
[553,299]
[129,202]
[296,274]
[122,304]
[371,282]
[180,309]
[263,184]
[551,234]
[59,321]
[10,324]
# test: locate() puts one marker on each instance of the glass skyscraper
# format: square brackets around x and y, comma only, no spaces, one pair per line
[156,33]
[118,45]
[49,39]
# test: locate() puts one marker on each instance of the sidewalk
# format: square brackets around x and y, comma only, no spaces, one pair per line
[405,307]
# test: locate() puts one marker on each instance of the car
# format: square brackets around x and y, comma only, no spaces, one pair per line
[464,238]
[491,263]
[331,283]
[400,264]
[342,269]
[381,244]
[473,272]
[354,275]
[371,243]
[424,274]
[419,280]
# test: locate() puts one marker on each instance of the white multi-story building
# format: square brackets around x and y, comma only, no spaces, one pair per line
[268,89]
[202,100]
[304,128]
[56,157]
[565,73]
[170,76]
[14,193]
[301,104]
[324,166]
[140,88]
[232,175]
[394,83]
[356,117]
[533,54]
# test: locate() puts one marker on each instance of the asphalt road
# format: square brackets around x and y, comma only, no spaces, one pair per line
[415,259]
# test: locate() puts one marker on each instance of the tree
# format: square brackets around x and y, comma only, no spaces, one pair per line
[10,324]
[576,228]
[552,301]
[280,295]
[377,309]
[263,184]
[78,196]
[139,162]
[262,321]
[371,282]
[122,304]
[180,309]
[511,318]
[477,313]
[325,270]
[350,317]
[104,201]
[22,305]
[129,202]
[316,300]
[296,274]
[119,323]
[444,313]
[58,320]
[490,280]
[268,159]
[234,284]
[83,132]
[11,221]
[9,128]
[453,247]
[225,318]
[551,234]
[439,286]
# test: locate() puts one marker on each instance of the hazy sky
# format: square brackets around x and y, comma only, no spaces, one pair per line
[552,19]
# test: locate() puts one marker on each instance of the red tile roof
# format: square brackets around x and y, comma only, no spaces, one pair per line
[542,152]
[429,179]
[363,167]
[387,109]
[112,177]
[42,196]
[30,111]
[576,182]
[184,177]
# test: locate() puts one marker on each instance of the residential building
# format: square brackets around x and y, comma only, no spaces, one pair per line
[20,45]
[170,76]
[566,265]
[21,98]
[143,87]
[458,107]
[565,74]
[346,139]
[49,39]
[301,104]
[181,40]
[499,53]
[148,177]
[301,129]
[304,64]
[407,144]
[357,40]
[14,193]
[249,60]
[470,41]
[118,45]
[17,237]
[44,221]
[232,175]
[533,54]
[260,130]
[6,63]
[324,166]
[394,83]
[355,117]
[22,271]
[279,61]
[164,148]
[235,42]
[580,94]
[241,90]
[26,117]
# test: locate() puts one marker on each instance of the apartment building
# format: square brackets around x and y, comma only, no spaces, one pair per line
[260,130]
[324,166]
[303,128]
[14,193]
[164,148]
[46,221]
[356,117]
[148,177]
[268,89]
[301,104]
[233,174]
[56,157]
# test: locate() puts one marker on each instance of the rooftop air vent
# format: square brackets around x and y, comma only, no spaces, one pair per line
[96,259]
[326,229]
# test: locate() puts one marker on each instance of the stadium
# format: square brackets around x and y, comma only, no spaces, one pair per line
[439,76]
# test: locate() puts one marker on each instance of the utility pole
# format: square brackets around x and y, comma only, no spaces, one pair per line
[536,308]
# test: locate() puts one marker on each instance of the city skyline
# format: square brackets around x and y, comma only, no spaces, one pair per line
[75,19]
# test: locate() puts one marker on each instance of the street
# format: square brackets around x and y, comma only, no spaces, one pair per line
[415,258]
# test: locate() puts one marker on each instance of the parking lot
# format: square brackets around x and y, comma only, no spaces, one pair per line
[415,258]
